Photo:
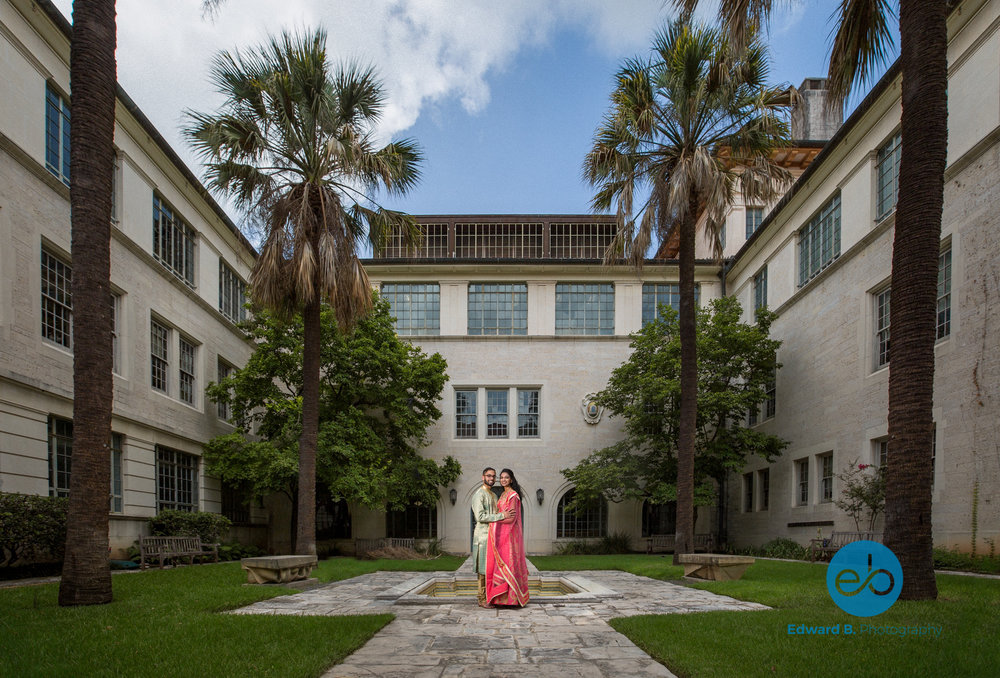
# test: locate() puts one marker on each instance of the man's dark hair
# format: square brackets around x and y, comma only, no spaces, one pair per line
[489,468]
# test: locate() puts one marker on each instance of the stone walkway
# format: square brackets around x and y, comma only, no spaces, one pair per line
[564,640]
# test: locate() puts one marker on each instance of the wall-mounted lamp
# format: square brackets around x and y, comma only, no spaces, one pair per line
[540,495]
[453,495]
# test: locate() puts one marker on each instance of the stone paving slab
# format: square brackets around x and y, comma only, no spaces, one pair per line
[560,640]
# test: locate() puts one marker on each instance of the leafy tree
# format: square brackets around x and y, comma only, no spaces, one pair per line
[736,362]
[685,129]
[377,398]
[294,145]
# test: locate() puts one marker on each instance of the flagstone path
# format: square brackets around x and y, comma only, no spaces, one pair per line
[564,640]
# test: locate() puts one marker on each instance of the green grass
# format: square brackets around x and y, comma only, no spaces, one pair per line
[758,643]
[167,623]
[335,569]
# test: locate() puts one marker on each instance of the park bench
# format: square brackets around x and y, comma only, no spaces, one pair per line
[665,542]
[164,548]
[825,548]
[363,546]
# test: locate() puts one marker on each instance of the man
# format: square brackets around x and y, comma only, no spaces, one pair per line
[484,508]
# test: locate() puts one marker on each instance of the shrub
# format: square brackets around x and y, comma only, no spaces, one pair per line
[31,527]
[777,548]
[208,526]
[236,551]
[616,542]
[953,559]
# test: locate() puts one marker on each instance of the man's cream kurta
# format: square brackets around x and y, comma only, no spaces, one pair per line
[484,508]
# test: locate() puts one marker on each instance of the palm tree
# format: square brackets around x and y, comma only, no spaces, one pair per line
[86,577]
[685,129]
[861,42]
[294,145]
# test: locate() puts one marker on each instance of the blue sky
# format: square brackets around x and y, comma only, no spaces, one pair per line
[502,96]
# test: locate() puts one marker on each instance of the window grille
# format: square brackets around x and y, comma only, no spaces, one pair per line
[173,241]
[465,414]
[527,413]
[760,290]
[819,241]
[882,302]
[225,370]
[159,342]
[747,492]
[659,518]
[592,521]
[754,218]
[497,308]
[232,294]
[60,456]
[433,244]
[117,495]
[668,294]
[186,371]
[116,311]
[826,482]
[57,300]
[764,482]
[771,401]
[944,295]
[498,241]
[887,176]
[802,467]
[585,308]
[176,480]
[496,413]
[415,522]
[580,241]
[57,134]
[416,307]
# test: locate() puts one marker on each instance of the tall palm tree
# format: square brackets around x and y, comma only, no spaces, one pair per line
[862,41]
[686,129]
[86,578]
[294,145]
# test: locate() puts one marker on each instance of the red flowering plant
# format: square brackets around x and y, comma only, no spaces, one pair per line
[863,493]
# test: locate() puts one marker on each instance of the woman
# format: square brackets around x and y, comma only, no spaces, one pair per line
[506,568]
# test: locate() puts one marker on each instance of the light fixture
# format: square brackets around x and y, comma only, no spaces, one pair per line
[540,495]
[453,495]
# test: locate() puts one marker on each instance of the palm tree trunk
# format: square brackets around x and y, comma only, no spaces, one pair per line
[684,540]
[86,577]
[916,247]
[305,536]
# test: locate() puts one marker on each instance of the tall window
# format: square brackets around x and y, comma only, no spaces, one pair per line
[592,521]
[173,241]
[887,176]
[882,328]
[415,522]
[747,492]
[659,518]
[585,308]
[60,455]
[669,294]
[802,482]
[527,412]
[819,241]
[771,401]
[752,415]
[880,451]
[116,189]
[944,295]
[416,307]
[755,216]
[159,356]
[232,294]
[116,315]
[826,477]
[57,300]
[764,483]
[57,134]
[496,413]
[498,308]
[225,370]
[465,414]
[186,375]
[176,480]
[117,495]
[760,290]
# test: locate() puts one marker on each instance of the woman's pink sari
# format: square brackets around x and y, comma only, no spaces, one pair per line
[506,568]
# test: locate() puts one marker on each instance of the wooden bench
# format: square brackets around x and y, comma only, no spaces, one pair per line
[363,546]
[665,542]
[164,548]
[825,548]
[714,566]
[278,569]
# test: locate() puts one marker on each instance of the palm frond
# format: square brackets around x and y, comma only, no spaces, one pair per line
[863,42]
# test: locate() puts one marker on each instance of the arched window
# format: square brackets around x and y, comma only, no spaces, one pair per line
[659,518]
[592,521]
[416,522]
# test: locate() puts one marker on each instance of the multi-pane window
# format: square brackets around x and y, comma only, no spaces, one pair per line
[176,480]
[764,483]
[57,134]
[752,414]
[465,414]
[415,522]
[498,308]
[747,492]
[755,216]
[116,189]
[225,371]
[882,328]
[116,318]
[496,413]
[944,295]
[60,455]
[415,306]
[826,477]
[117,495]
[159,356]
[659,518]
[591,521]
[527,412]
[771,401]
[173,241]
[668,294]
[186,363]
[57,300]
[760,290]
[880,451]
[232,294]
[802,482]
[819,241]
[585,308]
[887,176]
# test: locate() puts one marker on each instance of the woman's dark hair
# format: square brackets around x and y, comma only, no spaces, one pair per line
[513,482]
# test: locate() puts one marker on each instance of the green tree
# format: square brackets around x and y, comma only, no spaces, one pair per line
[294,146]
[377,398]
[686,130]
[736,362]
[862,41]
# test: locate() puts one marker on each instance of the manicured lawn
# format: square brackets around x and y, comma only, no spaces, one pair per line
[758,643]
[335,569]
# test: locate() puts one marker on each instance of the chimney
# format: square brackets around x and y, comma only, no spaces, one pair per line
[811,119]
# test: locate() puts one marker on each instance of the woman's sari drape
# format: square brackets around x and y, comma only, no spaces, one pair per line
[506,567]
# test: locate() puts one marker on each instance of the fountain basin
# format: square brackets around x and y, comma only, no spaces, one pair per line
[437,589]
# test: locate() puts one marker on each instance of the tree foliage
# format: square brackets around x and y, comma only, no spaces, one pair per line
[378,397]
[736,363]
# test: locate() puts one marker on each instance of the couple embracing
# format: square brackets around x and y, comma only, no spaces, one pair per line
[498,542]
